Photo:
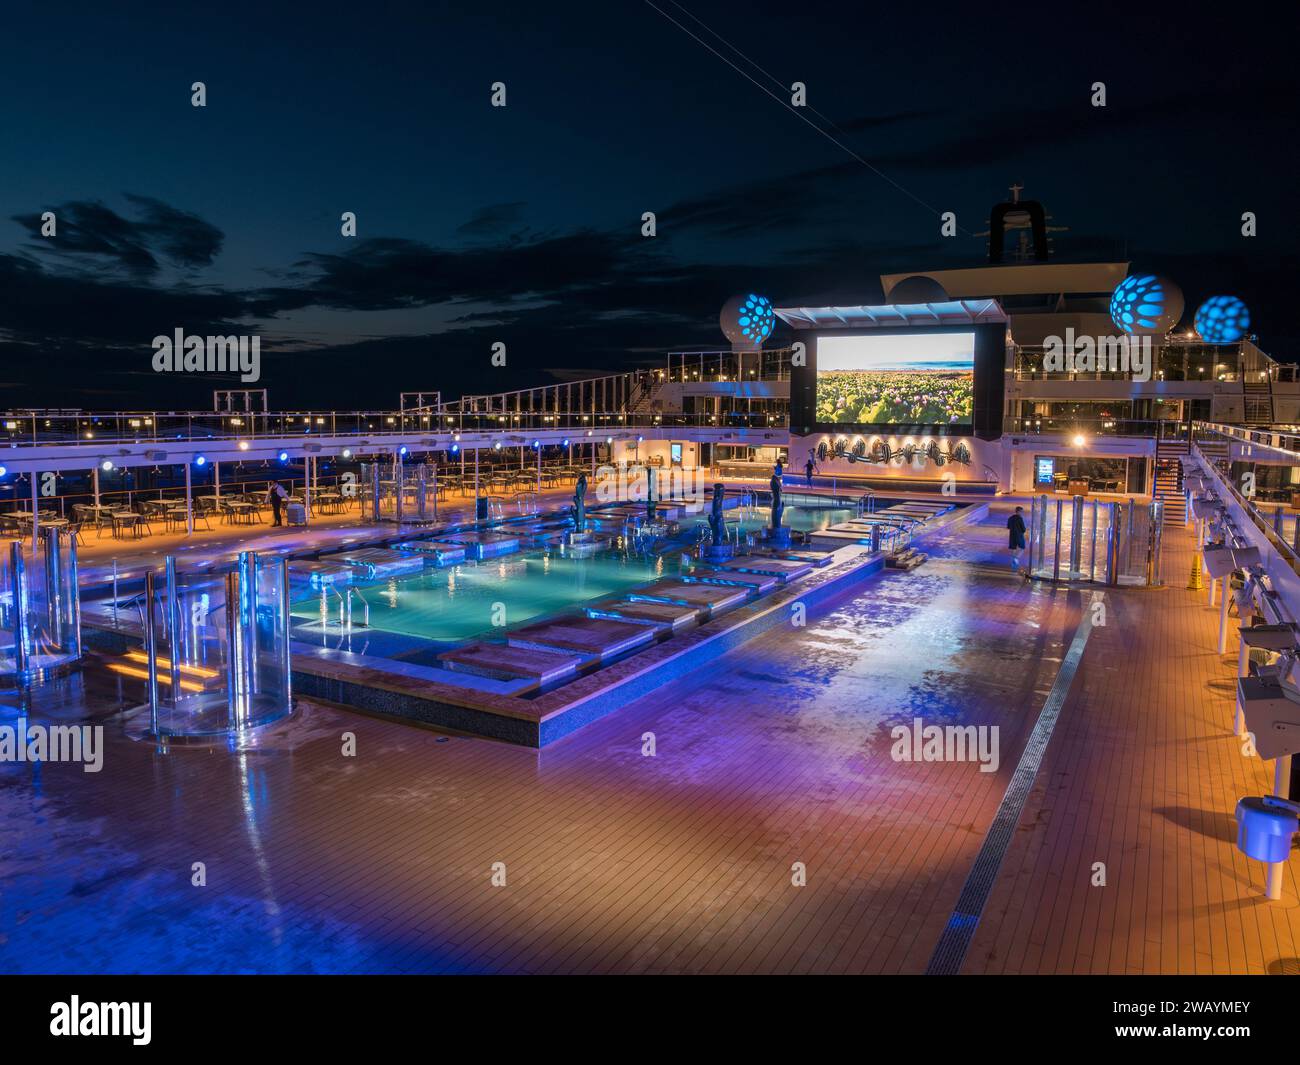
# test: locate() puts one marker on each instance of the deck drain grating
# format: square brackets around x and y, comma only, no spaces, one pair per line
[950,951]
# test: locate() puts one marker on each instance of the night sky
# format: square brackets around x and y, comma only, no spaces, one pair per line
[522,224]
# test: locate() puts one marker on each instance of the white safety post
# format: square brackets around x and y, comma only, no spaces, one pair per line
[1243,670]
[1282,789]
[1223,615]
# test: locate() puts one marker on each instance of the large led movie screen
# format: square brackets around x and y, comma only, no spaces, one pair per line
[896,379]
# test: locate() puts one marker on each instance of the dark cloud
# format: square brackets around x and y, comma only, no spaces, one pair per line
[497,220]
[38,306]
[89,228]
[1018,133]
[590,300]
[863,123]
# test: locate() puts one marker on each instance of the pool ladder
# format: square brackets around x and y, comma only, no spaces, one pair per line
[345,606]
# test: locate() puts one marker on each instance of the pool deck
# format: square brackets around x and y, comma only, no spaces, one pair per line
[671,835]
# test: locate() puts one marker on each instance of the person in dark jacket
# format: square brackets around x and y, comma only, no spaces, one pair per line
[1016,536]
[276,495]
[809,468]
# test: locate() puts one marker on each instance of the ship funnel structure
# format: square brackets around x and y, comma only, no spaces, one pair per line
[1016,214]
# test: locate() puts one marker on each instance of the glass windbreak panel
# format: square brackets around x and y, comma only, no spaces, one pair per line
[193,655]
[39,606]
[1080,539]
[270,662]
[1079,552]
[221,649]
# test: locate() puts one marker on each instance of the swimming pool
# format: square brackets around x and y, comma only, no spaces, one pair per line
[455,603]
[799,518]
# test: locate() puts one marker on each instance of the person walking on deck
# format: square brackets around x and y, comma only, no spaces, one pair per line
[1016,536]
[809,468]
[276,495]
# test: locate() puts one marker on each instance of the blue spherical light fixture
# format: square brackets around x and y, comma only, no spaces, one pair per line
[1146,303]
[747,320]
[1222,320]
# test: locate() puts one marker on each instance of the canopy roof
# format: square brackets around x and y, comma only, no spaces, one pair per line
[894,315]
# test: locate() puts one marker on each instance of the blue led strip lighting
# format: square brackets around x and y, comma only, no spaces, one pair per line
[950,952]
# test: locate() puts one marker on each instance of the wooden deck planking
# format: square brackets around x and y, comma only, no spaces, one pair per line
[1143,774]
[681,863]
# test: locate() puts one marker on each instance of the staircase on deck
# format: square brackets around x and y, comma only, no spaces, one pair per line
[1257,392]
[1170,454]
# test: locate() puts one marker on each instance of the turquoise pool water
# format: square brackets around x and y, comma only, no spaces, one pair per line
[452,604]
[801,519]
[459,602]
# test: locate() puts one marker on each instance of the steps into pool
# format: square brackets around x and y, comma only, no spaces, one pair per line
[318,573]
[376,561]
[504,661]
[817,559]
[673,615]
[443,552]
[758,583]
[601,638]
[783,568]
[484,543]
[713,598]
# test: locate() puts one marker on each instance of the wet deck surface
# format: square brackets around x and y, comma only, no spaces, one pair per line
[774,759]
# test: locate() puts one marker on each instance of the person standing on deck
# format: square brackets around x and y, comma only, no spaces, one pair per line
[276,495]
[809,468]
[1016,537]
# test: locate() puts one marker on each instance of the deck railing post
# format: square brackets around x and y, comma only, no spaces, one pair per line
[151,652]
[1114,543]
[399,485]
[174,628]
[1056,549]
[18,592]
[74,598]
[1092,550]
[233,683]
[248,621]
[1076,537]
[1042,533]
[53,587]
[286,620]
[1154,574]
